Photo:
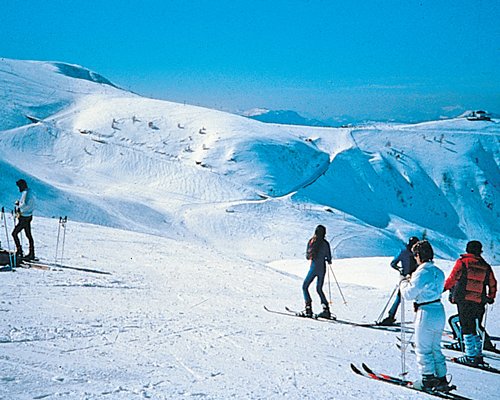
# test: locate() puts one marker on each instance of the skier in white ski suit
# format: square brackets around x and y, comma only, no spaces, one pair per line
[425,288]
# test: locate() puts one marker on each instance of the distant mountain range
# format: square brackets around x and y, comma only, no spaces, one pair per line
[290,117]
[285,117]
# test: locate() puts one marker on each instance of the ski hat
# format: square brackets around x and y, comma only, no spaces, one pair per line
[21,184]
[474,247]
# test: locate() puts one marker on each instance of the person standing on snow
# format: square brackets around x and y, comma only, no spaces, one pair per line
[318,251]
[24,211]
[408,266]
[473,285]
[425,288]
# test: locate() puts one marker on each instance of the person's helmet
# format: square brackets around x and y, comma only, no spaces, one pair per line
[412,241]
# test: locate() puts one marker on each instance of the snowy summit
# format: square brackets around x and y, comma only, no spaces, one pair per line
[183,222]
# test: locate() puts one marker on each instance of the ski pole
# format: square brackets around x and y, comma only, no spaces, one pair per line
[337,282]
[483,332]
[329,288]
[12,257]
[387,304]
[403,337]
[65,219]
[57,242]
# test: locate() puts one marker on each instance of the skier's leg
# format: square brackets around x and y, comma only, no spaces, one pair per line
[394,309]
[424,342]
[319,288]
[15,234]
[468,321]
[305,290]
[439,320]
[27,231]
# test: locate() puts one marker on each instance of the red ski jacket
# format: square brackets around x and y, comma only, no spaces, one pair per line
[479,274]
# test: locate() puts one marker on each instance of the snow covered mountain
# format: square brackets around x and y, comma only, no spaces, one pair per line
[286,117]
[185,221]
[103,155]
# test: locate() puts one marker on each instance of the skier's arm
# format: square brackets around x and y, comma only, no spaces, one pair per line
[395,261]
[411,287]
[455,275]
[308,250]
[328,254]
[21,204]
[492,286]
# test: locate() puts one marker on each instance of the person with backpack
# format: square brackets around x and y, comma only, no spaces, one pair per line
[408,266]
[472,285]
[425,288]
[319,252]
[24,212]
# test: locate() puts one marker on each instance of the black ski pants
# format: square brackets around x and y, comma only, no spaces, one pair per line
[471,316]
[24,223]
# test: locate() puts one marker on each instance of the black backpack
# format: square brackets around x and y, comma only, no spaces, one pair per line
[7,258]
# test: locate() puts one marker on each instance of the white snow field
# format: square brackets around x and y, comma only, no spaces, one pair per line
[199,218]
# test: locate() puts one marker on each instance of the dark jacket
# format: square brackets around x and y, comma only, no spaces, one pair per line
[408,263]
[323,253]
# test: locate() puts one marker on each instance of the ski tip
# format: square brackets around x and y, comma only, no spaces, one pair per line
[355,369]
[367,368]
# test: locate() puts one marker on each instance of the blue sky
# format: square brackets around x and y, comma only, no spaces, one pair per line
[323,58]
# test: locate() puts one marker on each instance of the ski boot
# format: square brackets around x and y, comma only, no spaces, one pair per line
[426,383]
[467,360]
[308,313]
[325,313]
[28,257]
[388,321]
[443,385]
[454,346]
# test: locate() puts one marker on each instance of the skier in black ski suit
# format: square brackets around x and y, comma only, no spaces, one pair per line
[318,251]
[408,266]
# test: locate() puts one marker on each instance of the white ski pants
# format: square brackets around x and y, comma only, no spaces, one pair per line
[429,325]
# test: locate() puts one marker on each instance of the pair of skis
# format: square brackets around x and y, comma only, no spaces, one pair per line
[367,372]
[483,367]
[291,313]
[45,265]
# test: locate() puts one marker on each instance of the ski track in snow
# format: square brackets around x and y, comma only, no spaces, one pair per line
[190,324]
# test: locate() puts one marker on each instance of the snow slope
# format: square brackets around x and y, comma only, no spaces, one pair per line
[179,319]
[201,217]
[142,164]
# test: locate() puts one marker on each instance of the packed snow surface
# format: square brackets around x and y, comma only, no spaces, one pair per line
[199,218]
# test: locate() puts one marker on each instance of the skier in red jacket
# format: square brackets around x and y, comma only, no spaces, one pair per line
[473,285]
